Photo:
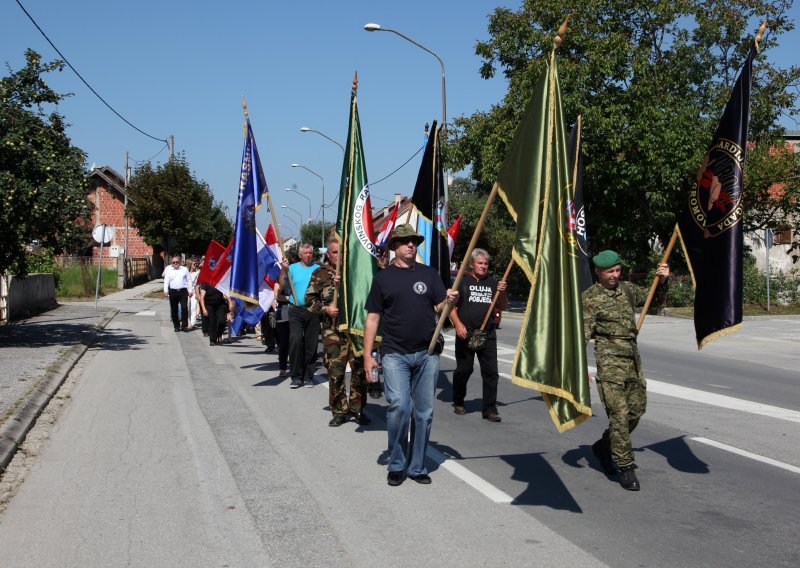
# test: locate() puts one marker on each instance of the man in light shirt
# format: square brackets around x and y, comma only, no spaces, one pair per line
[176,288]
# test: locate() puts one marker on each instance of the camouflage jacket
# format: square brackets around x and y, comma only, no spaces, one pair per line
[319,295]
[608,319]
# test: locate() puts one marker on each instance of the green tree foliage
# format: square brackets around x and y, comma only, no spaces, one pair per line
[312,233]
[173,209]
[43,184]
[497,238]
[772,190]
[650,77]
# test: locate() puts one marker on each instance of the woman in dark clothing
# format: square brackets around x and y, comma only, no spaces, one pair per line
[214,305]
[282,329]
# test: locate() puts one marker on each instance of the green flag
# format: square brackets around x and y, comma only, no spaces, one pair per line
[355,234]
[534,183]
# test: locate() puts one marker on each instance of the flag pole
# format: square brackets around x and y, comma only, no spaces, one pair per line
[464,262]
[497,295]
[562,30]
[349,183]
[654,285]
[272,211]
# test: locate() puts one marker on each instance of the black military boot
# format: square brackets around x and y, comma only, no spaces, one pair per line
[337,420]
[627,478]
[603,454]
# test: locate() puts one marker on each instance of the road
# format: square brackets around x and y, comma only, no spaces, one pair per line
[172,453]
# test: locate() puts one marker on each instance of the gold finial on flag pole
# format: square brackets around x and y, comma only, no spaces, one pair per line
[246,116]
[562,31]
[760,34]
[355,81]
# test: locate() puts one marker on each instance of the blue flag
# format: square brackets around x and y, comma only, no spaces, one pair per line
[245,279]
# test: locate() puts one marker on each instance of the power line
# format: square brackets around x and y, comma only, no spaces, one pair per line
[398,169]
[84,80]
[164,147]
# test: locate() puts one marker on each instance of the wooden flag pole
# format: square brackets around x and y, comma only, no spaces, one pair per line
[497,295]
[464,263]
[347,199]
[654,285]
[272,211]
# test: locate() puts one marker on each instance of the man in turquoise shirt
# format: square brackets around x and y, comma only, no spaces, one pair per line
[303,325]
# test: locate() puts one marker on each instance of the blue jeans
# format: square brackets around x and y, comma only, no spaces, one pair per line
[409,385]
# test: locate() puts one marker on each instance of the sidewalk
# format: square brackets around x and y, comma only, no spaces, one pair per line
[37,353]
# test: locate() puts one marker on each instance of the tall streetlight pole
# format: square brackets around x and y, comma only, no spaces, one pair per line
[307,129]
[323,198]
[304,196]
[299,215]
[378,28]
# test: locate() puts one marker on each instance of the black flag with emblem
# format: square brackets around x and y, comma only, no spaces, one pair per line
[576,213]
[710,225]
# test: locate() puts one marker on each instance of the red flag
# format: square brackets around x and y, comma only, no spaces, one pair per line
[213,253]
[221,276]
[452,234]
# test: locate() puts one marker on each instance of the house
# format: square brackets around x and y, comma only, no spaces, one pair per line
[110,199]
[780,258]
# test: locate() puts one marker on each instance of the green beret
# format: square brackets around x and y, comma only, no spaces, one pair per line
[405,231]
[606,259]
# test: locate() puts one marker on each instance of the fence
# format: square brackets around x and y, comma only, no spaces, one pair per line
[20,297]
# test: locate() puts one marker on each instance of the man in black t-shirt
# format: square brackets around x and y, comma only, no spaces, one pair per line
[476,291]
[404,298]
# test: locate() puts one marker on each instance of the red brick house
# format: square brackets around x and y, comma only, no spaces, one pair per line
[108,196]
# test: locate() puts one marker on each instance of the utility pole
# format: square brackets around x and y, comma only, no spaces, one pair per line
[171,146]
[127,181]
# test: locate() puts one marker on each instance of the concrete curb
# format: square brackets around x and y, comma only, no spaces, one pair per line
[14,432]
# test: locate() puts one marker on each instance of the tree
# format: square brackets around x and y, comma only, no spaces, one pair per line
[43,183]
[312,233]
[772,190]
[651,80]
[174,210]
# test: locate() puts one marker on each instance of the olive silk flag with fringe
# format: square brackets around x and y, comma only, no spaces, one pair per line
[710,225]
[355,234]
[534,183]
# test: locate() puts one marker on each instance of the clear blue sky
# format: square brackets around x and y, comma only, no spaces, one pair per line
[181,68]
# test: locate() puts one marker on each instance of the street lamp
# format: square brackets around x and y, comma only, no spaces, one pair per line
[299,215]
[323,198]
[302,195]
[378,28]
[307,129]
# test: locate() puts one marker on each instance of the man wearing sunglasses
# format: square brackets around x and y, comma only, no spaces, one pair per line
[404,299]
[176,288]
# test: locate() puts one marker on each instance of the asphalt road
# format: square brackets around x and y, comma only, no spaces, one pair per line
[176,454]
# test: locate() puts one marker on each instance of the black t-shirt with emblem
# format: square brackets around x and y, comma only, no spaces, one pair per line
[474,298]
[405,298]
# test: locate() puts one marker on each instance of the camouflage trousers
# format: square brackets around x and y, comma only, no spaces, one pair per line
[623,392]
[337,353]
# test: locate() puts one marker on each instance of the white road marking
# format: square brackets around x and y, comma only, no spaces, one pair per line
[745,453]
[465,475]
[146,313]
[721,400]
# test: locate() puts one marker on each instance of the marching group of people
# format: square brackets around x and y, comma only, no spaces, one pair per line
[405,300]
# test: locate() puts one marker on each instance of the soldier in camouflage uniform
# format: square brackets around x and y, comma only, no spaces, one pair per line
[608,317]
[336,348]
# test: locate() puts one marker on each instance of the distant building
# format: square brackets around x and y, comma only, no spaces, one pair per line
[779,257]
[109,197]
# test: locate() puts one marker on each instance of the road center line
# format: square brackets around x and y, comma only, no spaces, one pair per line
[745,453]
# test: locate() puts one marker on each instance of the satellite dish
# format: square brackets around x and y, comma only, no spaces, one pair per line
[103,234]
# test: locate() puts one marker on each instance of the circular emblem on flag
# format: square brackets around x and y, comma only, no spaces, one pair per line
[362,221]
[715,204]
[420,287]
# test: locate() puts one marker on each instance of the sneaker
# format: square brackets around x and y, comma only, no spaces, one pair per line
[296,383]
[337,420]
[309,383]
[283,372]
[627,478]
[459,409]
[603,454]
[394,478]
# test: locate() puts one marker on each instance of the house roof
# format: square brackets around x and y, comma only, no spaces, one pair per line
[113,180]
